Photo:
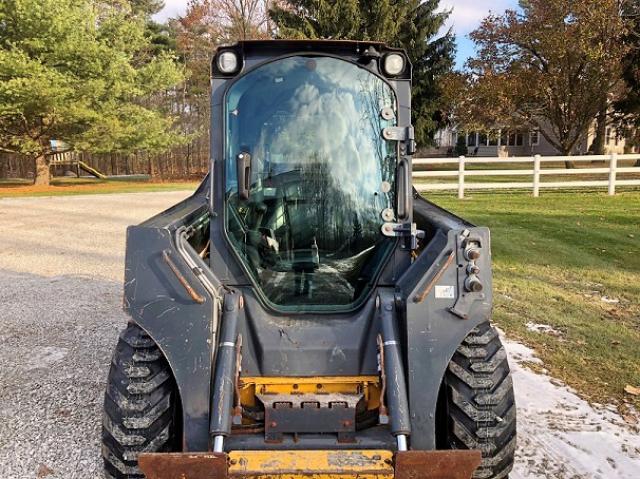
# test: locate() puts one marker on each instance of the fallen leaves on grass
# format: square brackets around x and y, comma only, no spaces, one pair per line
[632,390]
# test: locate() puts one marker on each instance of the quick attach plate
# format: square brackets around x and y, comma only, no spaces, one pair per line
[310,413]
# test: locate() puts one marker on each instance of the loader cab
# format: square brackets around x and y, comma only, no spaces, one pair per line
[308,171]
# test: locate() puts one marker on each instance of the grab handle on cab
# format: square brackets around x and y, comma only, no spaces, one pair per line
[404,190]
[244,174]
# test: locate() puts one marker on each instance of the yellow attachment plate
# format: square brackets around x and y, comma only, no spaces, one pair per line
[364,464]
[369,386]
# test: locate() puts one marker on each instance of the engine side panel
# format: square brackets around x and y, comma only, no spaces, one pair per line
[433,290]
[157,302]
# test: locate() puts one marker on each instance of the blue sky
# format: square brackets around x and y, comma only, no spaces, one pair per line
[465,17]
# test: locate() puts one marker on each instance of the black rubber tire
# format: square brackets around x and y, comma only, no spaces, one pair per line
[140,405]
[479,402]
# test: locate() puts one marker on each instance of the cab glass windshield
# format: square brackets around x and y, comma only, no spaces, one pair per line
[309,178]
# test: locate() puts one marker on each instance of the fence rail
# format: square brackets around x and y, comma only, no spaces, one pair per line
[536,172]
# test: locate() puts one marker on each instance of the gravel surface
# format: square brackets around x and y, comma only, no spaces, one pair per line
[61,271]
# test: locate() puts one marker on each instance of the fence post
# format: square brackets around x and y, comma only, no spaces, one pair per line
[461,177]
[536,176]
[613,166]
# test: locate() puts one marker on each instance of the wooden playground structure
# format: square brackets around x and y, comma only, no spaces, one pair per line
[74,161]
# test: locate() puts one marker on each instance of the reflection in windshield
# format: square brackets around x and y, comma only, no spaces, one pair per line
[320,177]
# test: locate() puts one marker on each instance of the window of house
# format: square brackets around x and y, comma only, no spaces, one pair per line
[511,138]
[472,139]
[483,139]
[519,138]
[608,136]
[494,138]
[534,137]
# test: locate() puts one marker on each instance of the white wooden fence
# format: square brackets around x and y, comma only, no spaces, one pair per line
[536,172]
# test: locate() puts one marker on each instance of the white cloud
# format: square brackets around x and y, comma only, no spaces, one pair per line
[333,126]
[467,14]
[172,8]
[330,127]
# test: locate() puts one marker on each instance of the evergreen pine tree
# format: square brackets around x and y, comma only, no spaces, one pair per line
[80,74]
[147,7]
[432,57]
[411,24]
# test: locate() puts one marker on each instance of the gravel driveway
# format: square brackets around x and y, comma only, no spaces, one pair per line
[61,274]
[61,271]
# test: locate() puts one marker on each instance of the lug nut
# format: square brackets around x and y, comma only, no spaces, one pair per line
[473,284]
[473,268]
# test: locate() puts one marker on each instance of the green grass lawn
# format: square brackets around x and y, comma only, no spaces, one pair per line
[86,186]
[571,261]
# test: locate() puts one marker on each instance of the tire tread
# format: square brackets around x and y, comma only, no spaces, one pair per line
[139,407]
[480,402]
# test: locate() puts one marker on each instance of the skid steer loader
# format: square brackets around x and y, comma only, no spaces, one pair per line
[306,313]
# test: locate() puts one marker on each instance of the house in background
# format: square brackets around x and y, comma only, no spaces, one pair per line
[519,142]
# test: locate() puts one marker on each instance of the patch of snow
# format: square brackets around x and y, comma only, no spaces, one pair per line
[543,328]
[518,352]
[608,300]
[560,435]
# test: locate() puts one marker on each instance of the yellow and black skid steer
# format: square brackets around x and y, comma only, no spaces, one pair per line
[305,313]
